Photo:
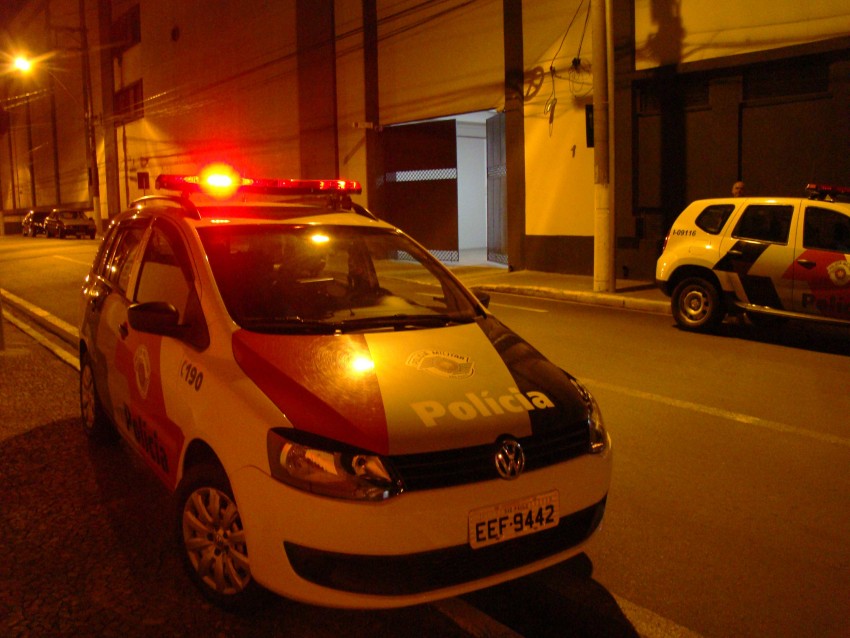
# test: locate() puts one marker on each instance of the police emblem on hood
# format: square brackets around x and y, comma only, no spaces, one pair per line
[446,365]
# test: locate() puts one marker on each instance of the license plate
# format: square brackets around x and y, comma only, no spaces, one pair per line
[498,523]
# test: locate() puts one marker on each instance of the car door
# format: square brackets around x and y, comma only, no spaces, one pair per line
[106,316]
[162,368]
[821,268]
[757,252]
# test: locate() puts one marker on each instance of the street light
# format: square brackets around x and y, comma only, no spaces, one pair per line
[22,64]
[25,65]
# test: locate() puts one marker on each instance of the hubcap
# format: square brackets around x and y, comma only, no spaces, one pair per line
[695,305]
[215,541]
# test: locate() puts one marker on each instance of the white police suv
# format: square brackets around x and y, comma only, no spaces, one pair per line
[765,256]
[341,421]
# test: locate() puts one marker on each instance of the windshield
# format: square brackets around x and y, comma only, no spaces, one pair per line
[276,278]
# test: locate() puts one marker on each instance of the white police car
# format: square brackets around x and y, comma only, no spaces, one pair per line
[342,422]
[766,256]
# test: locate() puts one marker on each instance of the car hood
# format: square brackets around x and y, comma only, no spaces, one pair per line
[404,392]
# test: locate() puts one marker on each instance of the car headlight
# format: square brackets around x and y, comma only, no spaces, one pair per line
[320,466]
[598,434]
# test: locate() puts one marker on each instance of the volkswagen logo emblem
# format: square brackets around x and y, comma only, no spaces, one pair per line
[510,459]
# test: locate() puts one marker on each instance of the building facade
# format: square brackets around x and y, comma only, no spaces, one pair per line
[467,121]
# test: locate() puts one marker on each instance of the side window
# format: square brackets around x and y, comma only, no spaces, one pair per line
[166,275]
[713,219]
[825,229]
[165,272]
[765,222]
[122,255]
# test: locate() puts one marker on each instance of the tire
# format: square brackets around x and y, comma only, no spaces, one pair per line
[696,305]
[96,424]
[212,540]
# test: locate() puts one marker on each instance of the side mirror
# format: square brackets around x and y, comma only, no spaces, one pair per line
[483,297]
[155,317]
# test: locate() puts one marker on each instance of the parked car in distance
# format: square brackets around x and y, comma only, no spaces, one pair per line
[61,223]
[33,223]
[779,257]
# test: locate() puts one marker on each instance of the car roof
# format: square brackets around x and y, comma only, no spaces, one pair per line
[313,211]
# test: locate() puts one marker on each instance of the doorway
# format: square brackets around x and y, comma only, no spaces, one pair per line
[444,184]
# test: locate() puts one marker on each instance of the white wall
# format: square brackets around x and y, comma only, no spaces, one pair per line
[472,185]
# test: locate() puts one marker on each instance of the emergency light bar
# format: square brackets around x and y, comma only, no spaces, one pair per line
[822,191]
[224,184]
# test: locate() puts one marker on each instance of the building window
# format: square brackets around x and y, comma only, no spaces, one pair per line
[130,102]
[127,30]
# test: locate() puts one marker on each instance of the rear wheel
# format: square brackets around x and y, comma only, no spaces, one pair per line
[95,422]
[212,539]
[696,305]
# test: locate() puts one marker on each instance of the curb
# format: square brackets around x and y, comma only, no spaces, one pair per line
[600,299]
[54,325]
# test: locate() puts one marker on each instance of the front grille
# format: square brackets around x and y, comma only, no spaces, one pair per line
[427,571]
[433,470]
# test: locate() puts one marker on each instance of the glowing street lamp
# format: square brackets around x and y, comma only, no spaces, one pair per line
[25,65]
[22,64]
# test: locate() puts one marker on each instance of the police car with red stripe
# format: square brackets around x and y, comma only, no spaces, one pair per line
[768,257]
[340,420]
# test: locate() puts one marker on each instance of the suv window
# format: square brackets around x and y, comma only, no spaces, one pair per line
[713,219]
[765,222]
[825,229]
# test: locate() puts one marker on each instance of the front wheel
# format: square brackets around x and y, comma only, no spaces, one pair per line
[696,305]
[212,539]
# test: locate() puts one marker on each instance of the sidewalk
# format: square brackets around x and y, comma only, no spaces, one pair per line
[630,293]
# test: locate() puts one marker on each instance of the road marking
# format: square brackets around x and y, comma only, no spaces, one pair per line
[650,625]
[76,261]
[527,309]
[738,417]
[35,334]
[43,315]
[472,620]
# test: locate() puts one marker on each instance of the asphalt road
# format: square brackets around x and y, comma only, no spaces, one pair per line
[728,514]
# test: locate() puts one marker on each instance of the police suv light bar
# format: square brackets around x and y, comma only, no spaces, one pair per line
[822,191]
[228,184]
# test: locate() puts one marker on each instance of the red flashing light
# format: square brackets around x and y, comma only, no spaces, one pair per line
[822,191]
[222,182]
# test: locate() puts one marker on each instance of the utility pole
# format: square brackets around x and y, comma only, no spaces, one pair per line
[91,140]
[603,219]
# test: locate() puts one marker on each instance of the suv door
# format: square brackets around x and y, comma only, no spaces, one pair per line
[757,252]
[821,270]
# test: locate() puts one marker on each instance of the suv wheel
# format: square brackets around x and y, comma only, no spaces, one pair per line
[212,539]
[696,305]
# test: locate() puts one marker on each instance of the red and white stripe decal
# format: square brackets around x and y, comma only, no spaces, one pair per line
[323,384]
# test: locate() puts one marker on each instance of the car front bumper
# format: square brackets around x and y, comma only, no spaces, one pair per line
[412,548]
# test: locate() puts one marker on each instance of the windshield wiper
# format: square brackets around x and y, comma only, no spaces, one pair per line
[289,325]
[400,322]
